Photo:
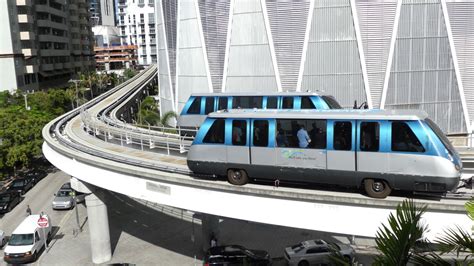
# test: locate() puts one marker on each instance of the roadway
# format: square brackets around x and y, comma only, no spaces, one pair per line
[145,235]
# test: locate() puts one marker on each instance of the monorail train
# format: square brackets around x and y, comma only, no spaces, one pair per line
[199,105]
[379,150]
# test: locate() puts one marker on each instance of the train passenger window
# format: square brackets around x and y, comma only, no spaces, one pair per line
[195,107]
[343,136]
[222,103]
[369,136]
[403,138]
[239,132]
[260,133]
[209,108]
[247,102]
[307,103]
[272,102]
[287,103]
[216,133]
[287,133]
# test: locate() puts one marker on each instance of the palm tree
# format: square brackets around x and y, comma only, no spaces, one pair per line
[88,80]
[165,118]
[396,241]
[102,79]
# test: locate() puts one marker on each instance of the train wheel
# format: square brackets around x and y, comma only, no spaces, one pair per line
[237,177]
[377,188]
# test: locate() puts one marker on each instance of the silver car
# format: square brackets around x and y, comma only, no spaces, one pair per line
[315,252]
[64,198]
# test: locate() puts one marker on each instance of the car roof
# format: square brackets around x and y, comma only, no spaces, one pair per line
[366,114]
[29,224]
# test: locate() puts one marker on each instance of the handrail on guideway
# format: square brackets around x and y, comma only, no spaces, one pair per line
[138,172]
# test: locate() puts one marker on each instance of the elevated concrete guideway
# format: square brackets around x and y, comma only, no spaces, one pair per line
[164,179]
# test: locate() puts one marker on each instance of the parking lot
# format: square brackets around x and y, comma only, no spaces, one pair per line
[145,235]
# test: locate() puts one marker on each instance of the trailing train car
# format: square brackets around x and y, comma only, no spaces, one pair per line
[199,105]
[379,150]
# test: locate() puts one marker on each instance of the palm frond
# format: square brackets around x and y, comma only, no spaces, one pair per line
[396,240]
[456,240]
[166,118]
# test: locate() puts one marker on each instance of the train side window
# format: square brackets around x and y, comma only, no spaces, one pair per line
[317,133]
[307,103]
[209,108]
[342,136]
[287,133]
[222,103]
[239,132]
[236,102]
[403,138]
[195,107]
[216,133]
[287,103]
[260,133]
[256,102]
[369,136]
[272,102]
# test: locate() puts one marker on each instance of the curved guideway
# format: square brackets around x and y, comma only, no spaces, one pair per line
[164,179]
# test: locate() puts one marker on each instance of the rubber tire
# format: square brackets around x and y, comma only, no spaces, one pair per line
[35,256]
[369,188]
[236,180]
[303,263]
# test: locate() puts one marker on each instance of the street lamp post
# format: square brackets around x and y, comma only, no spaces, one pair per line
[26,102]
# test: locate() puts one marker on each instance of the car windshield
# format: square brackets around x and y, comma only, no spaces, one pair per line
[333,104]
[297,248]
[63,193]
[21,240]
[18,183]
[447,144]
[5,198]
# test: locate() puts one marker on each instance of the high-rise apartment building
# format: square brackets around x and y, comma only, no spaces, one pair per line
[102,12]
[43,43]
[136,21]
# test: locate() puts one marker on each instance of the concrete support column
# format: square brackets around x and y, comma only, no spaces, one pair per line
[98,227]
[210,227]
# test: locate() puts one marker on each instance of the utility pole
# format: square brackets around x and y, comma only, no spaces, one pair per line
[75,81]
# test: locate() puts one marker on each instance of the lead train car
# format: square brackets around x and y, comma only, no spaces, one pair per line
[379,150]
[199,105]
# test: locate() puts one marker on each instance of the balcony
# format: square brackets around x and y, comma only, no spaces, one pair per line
[27,35]
[58,66]
[47,67]
[52,38]
[30,69]
[23,2]
[78,64]
[29,52]
[51,24]
[25,19]
[68,65]
[72,7]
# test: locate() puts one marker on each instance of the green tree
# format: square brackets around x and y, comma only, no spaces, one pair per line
[396,241]
[129,73]
[88,81]
[148,112]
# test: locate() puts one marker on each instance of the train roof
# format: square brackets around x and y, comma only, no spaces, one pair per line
[288,93]
[366,114]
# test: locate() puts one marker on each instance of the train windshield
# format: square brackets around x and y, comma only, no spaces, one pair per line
[447,144]
[333,104]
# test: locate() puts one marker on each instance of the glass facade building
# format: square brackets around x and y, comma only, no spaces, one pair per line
[406,54]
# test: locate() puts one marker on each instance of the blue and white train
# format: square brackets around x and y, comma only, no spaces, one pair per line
[199,105]
[379,150]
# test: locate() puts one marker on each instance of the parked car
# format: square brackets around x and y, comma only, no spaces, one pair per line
[35,175]
[236,255]
[21,185]
[64,198]
[313,252]
[3,239]
[8,200]
[27,241]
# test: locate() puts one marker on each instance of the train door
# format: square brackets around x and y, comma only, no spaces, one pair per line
[262,153]
[341,149]
[371,160]
[238,152]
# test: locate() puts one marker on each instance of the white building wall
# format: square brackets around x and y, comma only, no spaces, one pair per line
[137,26]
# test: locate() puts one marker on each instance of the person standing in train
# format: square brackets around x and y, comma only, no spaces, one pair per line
[303,137]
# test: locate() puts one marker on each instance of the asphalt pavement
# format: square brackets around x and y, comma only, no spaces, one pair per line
[146,235]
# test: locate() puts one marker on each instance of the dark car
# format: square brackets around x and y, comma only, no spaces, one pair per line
[21,185]
[36,175]
[8,200]
[236,255]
